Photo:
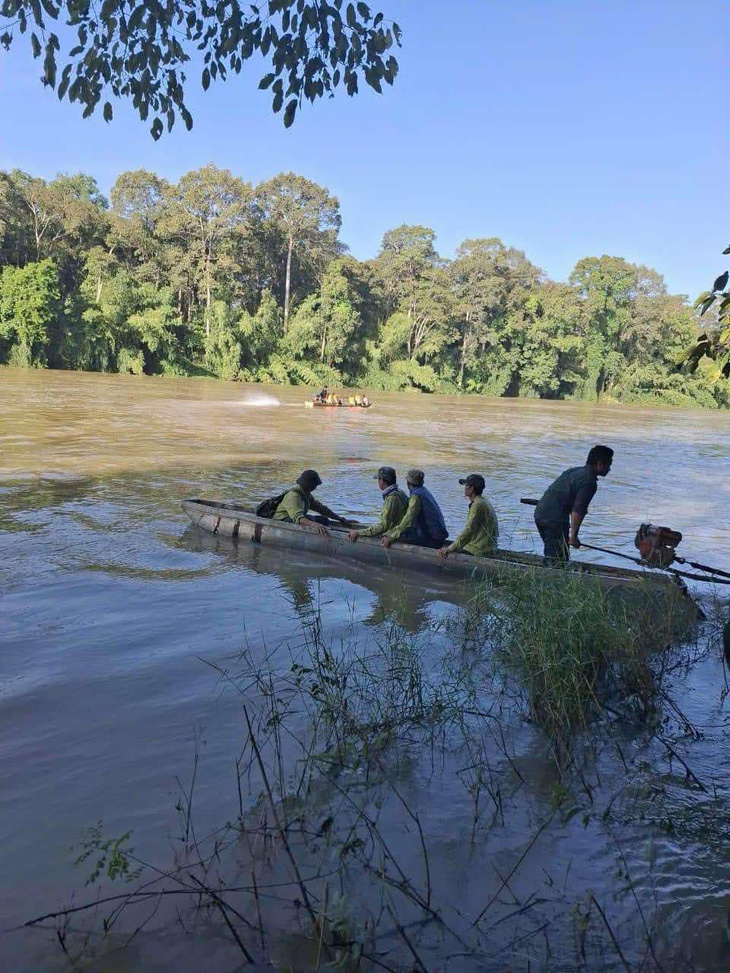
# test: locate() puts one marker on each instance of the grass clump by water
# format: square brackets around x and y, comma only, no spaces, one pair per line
[576,648]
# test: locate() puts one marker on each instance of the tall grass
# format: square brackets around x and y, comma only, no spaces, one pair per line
[575,647]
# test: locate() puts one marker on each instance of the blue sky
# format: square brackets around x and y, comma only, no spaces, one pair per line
[568,129]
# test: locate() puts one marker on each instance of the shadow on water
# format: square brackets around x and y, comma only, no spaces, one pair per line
[398,596]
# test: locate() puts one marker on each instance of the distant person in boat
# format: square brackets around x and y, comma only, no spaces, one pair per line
[481,532]
[423,523]
[365,402]
[395,504]
[298,501]
[321,396]
[563,506]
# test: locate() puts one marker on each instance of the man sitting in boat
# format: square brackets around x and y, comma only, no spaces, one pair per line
[395,504]
[563,506]
[298,501]
[480,534]
[423,523]
[321,396]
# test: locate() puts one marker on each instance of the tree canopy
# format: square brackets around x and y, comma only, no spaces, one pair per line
[142,50]
[213,275]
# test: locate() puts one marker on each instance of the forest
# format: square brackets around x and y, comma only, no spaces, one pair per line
[213,276]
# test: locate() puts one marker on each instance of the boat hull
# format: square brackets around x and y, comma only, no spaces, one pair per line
[310,404]
[229,520]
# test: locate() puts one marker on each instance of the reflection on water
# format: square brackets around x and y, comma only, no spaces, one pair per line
[401,598]
[110,600]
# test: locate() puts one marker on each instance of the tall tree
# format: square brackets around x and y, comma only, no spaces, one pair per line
[488,279]
[608,288]
[68,208]
[29,306]
[209,211]
[309,220]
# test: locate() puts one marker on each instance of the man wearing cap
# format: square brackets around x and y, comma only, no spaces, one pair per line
[395,503]
[423,523]
[563,506]
[481,531]
[298,501]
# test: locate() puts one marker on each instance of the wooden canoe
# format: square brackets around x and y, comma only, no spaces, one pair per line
[311,404]
[230,520]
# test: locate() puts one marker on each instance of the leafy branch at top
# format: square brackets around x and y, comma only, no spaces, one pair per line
[715,343]
[138,49]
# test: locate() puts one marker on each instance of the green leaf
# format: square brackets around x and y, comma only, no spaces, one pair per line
[289,112]
[266,81]
[726,250]
[156,129]
[36,45]
[49,67]
[107,9]
[721,281]
[206,79]
[364,11]
[108,111]
[136,19]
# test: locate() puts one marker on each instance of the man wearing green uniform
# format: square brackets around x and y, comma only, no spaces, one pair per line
[481,531]
[561,509]
[423,523]
[395,503]
[298,501]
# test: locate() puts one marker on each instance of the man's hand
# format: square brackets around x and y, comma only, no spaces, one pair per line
[445,551]
[322,530]
[353,536]
[386,542]
[574,542]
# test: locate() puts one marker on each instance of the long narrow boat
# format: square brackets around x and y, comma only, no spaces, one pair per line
[311,404]
[230,520]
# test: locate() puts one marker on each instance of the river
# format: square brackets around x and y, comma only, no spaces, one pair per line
[114,611]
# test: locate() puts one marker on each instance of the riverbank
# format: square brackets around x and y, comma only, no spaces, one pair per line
[197,372]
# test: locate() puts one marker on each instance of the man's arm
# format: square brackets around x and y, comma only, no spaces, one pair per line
[576,519]
[293,506]
[580,508]
[409,519]
[387,520]
[325,511]
[470,529]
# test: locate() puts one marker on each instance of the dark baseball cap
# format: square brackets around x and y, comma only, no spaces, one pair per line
[386,473]
[475,480]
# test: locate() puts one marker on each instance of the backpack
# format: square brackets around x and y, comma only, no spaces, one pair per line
[267,508]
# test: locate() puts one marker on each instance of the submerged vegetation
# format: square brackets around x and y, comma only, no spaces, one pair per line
[337,852]
[215,276]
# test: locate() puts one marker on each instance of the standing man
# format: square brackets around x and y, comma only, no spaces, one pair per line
[481,531]
[395,503]
[423,523]
[562,507]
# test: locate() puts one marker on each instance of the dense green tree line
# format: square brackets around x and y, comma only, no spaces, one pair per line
[213,275]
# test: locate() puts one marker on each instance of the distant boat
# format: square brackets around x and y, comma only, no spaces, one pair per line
[230,520]
[312,404]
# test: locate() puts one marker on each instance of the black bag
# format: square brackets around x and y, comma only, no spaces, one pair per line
[267,508]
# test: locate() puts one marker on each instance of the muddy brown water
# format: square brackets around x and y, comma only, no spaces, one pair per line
[109,601]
